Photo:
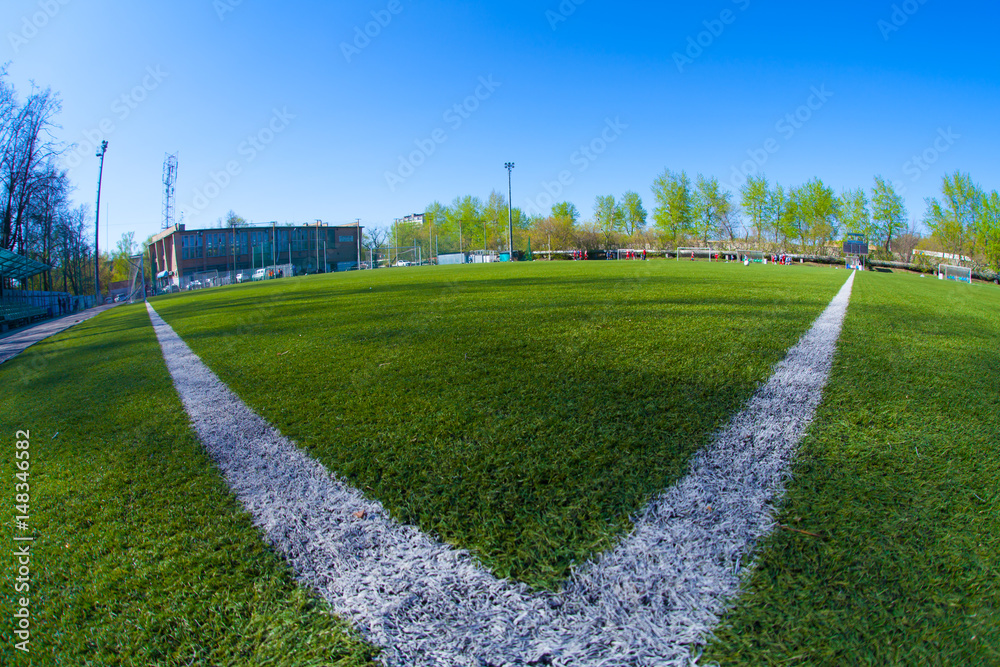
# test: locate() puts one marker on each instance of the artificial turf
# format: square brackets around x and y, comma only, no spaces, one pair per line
[900,476]
[519,411]
[142,556]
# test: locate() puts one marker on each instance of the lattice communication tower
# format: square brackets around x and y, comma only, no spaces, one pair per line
[169,179]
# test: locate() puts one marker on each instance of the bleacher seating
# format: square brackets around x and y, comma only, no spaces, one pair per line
[19,314]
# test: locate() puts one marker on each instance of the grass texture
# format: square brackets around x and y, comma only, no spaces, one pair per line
[900,476]
[142,555]
[519,411]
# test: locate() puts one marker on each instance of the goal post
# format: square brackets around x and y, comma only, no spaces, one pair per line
[695,253]
[753,256]
[137,279]
[960,273]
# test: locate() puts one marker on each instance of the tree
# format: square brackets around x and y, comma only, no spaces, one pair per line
[634,214]
[609,217]
[234,221]
[25,154]
[783,213]
[754,198]
[125,249]
[464,215]
[819,209]
[988,230]
[905,243]
[888,212]
[789,221]
[495,221]
[436,221]
[674,212]
[374,239]
[566,210]
[854,213]
[954,221]
[713,209]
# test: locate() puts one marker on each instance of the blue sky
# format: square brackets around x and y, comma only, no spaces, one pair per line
[274,117]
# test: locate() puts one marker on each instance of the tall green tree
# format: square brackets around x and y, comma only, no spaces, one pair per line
[609,217]
[465,215]
[988,230]
[713,209]
[567,211]
[495,221]
[754,198]
[888,212]
[953,220]
[776,210]
[820,210]
[855,214]
[635,214]
[436,224]
[674,212]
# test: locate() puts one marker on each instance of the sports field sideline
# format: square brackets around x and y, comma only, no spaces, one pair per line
[523,413]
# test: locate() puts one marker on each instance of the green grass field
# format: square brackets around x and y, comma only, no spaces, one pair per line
[521,412]
[901,476]
[142,557]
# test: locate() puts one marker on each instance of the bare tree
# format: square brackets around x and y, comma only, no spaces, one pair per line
[26,145]
[374,239]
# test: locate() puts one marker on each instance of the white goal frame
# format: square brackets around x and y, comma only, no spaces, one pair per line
[710,251]
[962,274]
[755,256]
[137,278]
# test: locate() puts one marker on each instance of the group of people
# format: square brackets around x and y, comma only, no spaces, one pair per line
[625,254]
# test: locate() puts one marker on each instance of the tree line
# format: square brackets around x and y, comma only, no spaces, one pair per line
[764,215]
[37,219]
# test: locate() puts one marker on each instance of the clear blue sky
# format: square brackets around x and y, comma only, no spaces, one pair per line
[330,126]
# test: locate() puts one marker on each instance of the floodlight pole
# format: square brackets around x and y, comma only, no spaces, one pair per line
[97,225]
[358,223]
[510,214]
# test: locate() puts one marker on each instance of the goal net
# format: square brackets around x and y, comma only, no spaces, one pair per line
[959,273]
[137,279]
[753,256]
[696,253]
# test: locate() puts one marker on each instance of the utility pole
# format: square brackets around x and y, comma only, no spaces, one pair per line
[510,213]
[358,223]
[97,225]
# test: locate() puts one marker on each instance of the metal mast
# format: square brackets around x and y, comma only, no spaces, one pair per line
[169,179]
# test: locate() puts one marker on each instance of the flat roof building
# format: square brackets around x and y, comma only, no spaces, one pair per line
[178,255]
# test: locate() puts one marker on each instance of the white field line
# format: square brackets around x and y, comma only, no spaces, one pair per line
[649,601]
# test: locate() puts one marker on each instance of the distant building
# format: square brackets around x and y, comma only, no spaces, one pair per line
[412,219]
[177,254]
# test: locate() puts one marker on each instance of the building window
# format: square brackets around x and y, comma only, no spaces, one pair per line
[191,247]
[347,239]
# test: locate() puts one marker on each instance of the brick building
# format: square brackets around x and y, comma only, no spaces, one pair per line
[178,254]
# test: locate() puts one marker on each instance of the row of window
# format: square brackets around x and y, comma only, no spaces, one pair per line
[218,244]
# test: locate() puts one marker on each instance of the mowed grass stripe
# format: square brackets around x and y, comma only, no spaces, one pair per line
[901,476]
[142,557]
[522,412]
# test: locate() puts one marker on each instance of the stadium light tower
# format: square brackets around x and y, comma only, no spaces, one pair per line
[510,214]
[97,224]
